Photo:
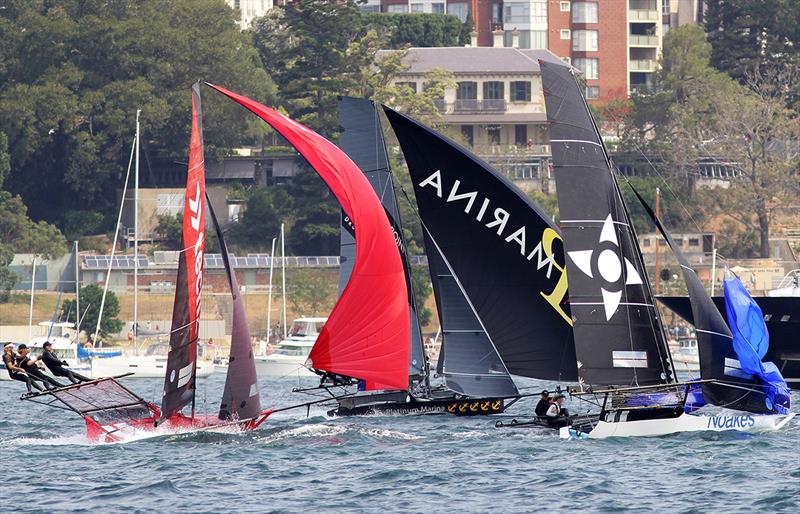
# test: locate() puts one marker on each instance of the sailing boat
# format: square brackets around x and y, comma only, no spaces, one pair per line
[110,410]
[619,338]
[477,380]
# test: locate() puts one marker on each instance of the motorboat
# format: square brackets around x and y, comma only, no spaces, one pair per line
[685,354]
[152,364]
[290,355]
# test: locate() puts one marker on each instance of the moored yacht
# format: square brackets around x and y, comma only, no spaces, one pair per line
[290,355]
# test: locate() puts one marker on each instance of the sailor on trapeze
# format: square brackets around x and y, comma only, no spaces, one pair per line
[56,365]
[31,367]
[15,372]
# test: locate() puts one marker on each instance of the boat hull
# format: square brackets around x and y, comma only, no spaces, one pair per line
[402,403]
[271,367]
[145,366]
[683,423]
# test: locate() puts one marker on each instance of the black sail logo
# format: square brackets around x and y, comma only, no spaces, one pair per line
[500,223]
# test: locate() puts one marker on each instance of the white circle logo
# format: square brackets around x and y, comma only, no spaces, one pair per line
[609,266]
[172,376]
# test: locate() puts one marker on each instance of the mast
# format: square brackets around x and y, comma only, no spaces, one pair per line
[136,242]
[77,296]
[658,262]
[30,313]
[269,293]
[283,280]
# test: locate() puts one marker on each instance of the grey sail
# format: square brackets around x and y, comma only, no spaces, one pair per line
[240,397]
[468,360]
[619,339]
[362,140]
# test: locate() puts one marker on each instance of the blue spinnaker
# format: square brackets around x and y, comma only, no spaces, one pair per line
[751,341]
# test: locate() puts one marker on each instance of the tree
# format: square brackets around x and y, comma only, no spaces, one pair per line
[311,292]
[23,235]
[307,48]
[421,282]
[258,222]
[7,277]
[91,297]
[420,30]
[170,231]
[74,72]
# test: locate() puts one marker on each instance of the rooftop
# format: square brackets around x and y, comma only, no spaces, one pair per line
[475,59]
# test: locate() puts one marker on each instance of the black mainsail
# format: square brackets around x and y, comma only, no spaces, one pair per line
[502,248]
[361,139]
[240,398]
[733,389]
[619,339]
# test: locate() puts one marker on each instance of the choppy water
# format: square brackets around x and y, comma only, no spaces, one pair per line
[384,463]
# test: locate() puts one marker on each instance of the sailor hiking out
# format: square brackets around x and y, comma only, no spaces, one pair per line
[56,365]
[15,372]
[31,367]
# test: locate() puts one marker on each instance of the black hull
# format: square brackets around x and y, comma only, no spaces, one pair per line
[394,404]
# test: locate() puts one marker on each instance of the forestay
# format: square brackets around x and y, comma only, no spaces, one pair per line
[619,339]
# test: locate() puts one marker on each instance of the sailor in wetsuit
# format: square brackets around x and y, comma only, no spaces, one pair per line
[543,405]
[557,416]
[15,372]
[56,365]
[32,368]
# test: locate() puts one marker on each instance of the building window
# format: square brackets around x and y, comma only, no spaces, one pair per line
[458,9]
[693,241]
[517,12]
[584,40]
[410,85]
[493,134]
[467,91]
[468,131]
[493,90]
[646,242]
[497,11]
[540,12]
[437,8]
[565,33]
[538,40]
[592,93]
[665,7]
[370,8]
[563,6]
[416,7]
[588,67]
[521,91]
[397,8]
[584,12]
[520,135]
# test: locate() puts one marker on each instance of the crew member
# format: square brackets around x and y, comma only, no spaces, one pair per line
[543,405]
[15,372]
[32,368]
[56,366]
[557,416]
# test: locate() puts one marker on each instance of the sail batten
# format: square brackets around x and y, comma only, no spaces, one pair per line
[503,249]
[612,306]
[179,382]
[367,335]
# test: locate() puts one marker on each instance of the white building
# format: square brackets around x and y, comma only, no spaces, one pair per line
[250,10]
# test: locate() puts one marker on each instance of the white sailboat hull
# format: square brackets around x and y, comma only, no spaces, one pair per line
[282,366]
[685,423]
[142,366]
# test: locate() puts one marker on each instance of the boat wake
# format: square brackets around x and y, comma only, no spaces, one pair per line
[330,433]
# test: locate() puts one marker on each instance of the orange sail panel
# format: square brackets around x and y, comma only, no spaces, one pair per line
[367,335]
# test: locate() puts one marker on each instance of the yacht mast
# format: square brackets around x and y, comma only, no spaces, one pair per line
[77,296]
[283,278]
[269,294]
[136,243]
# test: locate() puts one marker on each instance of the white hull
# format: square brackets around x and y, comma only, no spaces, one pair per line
[282,366]
[685,423]
[142,366]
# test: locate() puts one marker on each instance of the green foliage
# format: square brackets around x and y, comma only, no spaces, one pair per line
[317,217]
[91,297]
[7,277]
[548,203]
[419,30]
[77,224]
[259,220]
[23,235]
[421,282]
[73,73]
[170,230]
[311,292]
[5,160]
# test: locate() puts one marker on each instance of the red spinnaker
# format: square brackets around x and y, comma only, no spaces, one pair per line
[367,335]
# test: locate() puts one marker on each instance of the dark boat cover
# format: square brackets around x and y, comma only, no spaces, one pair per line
[361,138]
[718,359]
[503,249]
[619,339]
[179,382]
[240,398]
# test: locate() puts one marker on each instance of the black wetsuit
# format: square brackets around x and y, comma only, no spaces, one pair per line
[541,407]
[33,370]
[9,361]
[57,368]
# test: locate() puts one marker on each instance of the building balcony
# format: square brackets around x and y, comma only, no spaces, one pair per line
[643,15]
[643,40]
[511,151]
[472,106]
[648,65]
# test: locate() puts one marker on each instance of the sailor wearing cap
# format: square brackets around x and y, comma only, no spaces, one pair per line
[15,372]
[31,367]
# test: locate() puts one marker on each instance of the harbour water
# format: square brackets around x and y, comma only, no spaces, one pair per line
[422,463]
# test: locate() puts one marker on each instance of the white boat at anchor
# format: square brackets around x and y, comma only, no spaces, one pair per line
[290,355]
[152,364]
